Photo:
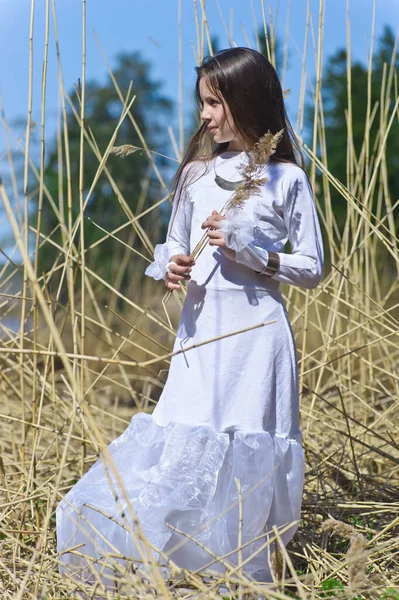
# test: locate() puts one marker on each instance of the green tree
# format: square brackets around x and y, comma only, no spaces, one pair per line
[335,105]
[152,112]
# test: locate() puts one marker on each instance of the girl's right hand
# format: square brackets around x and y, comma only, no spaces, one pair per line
[178,272]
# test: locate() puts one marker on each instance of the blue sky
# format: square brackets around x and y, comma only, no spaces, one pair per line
[151,27]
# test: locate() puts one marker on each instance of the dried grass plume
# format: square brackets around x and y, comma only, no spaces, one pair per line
[252,171]
[356,555]
[124,150]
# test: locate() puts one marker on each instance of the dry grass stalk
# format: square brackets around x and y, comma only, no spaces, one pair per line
[240,527]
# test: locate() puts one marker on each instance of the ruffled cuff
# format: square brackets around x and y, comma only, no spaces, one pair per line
[237,228]
[157,269]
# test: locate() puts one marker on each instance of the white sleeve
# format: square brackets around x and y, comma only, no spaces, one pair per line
[179,228]
[177,237]
[304,265]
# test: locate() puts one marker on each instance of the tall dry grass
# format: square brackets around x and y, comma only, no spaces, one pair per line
[75,371]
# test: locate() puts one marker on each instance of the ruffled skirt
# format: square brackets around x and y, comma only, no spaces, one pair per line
[170,482]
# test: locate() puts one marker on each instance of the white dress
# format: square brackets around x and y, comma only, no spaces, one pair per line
[229,408]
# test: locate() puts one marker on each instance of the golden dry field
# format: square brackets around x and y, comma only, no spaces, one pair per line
[83,348]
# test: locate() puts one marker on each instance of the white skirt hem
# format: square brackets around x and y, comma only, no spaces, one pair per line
[185,476]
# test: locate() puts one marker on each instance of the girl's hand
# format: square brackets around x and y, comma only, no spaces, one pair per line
[215,236]
[179,271]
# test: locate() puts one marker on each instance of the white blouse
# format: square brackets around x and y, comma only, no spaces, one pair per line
[283,211]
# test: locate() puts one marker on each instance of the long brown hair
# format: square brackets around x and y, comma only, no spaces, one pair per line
[248,83]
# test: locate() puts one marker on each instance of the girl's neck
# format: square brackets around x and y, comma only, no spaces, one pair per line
[238,145]
[235,148]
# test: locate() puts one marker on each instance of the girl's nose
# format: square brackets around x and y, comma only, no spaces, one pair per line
[205,116]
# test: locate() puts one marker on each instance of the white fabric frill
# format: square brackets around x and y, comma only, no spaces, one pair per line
[238,229]
[183,475]
[157,269]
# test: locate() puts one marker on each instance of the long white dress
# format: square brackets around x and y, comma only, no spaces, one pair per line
[229,410]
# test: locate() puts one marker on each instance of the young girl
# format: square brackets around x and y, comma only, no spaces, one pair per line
[224,438]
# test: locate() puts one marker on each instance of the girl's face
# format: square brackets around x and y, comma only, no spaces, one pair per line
[216,114]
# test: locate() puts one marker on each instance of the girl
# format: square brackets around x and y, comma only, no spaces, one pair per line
[224,436]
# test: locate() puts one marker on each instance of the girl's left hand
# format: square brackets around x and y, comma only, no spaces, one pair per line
[216,237]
